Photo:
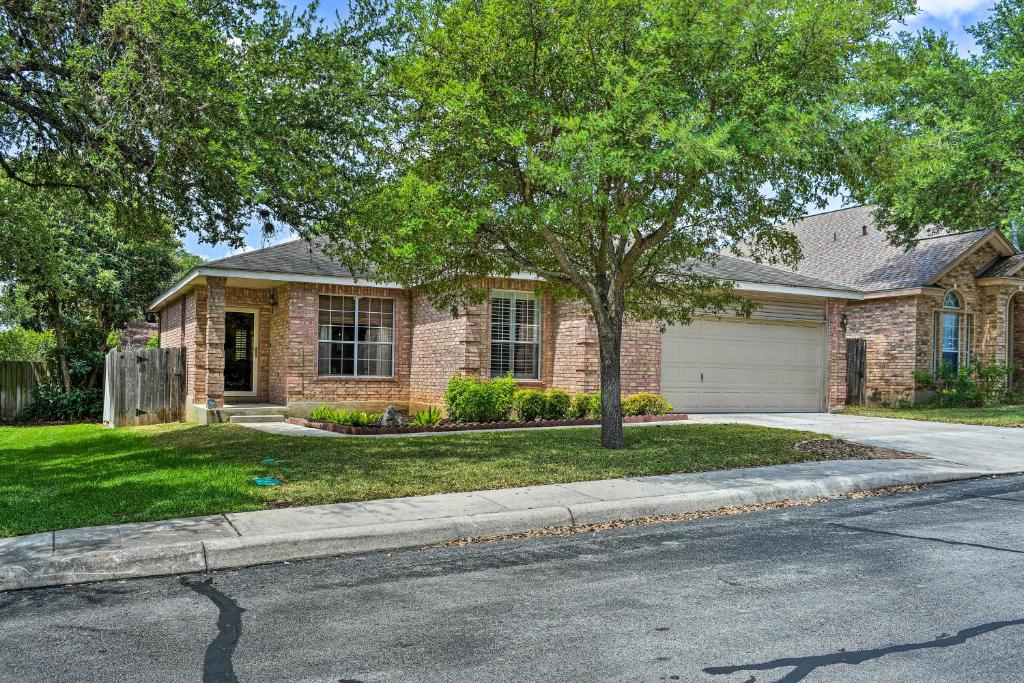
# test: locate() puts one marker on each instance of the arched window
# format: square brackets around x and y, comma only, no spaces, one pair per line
[952,335]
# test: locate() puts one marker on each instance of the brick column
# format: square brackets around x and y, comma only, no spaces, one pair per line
[215,303]
[836,309]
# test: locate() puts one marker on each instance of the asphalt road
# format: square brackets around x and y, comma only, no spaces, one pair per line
[924,586]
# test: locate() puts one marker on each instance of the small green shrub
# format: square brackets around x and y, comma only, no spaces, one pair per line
[645,403]
[154,341]
[557,405]
[595,407]
[358,418]
[468,399]
[579,406]
[427,417]
[975,384]
[51,403]
[19,344]
[322,413]
[529,404]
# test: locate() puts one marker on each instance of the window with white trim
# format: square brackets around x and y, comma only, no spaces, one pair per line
[515,335]
[356,336]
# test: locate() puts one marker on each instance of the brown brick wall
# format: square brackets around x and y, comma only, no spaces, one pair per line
[890,328]
[302,383]
[277,351]
[575,366]
[640,358]
[170,324]
[438,349]
[216,300]
[835,309]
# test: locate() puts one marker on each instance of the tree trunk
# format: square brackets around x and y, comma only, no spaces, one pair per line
[62,358]
[609,340]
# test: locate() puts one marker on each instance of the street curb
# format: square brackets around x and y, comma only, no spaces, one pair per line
[244,551]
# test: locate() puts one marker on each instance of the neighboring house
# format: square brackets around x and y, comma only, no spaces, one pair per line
[948,298]
[286,325]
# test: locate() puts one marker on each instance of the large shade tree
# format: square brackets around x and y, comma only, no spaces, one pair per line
[606,146]
[66,267]
[952,128]
[207,114]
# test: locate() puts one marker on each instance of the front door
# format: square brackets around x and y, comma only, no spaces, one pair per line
[239,352]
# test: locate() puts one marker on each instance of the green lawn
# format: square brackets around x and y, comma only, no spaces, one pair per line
[998,416]
[82,475]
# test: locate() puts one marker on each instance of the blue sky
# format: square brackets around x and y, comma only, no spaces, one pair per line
[951,16]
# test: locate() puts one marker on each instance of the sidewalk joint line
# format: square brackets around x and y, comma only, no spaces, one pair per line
[233,528]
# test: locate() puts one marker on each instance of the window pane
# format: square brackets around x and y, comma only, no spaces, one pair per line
[375,360]
[501,359]
[323,361]
[524,364]
[951,332]
[951,300]
[501,319]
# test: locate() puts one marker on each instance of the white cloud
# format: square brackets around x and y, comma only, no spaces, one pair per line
[950,9]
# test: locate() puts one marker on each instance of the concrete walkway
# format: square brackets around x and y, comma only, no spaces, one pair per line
[995,449]
[241,539]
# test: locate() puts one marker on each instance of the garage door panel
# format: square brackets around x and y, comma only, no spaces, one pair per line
[728,365]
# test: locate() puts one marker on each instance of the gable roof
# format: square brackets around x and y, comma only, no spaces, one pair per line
[293,257]
[845,246]
[1007,267]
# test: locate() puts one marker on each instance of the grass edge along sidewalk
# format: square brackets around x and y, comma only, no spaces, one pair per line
[85,475]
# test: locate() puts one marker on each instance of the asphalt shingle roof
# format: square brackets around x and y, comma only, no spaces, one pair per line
[303,258]
[739,270]
[296,256]
[1006,267]
[846,247]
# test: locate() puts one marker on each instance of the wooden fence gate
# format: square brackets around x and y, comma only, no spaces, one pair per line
[18,379]
[856,371]
[144,386]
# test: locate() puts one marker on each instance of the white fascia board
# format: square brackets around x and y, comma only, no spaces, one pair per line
[906,291]
[203,271]
[798,291]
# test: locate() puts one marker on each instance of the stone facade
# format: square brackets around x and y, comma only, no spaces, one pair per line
[900,330]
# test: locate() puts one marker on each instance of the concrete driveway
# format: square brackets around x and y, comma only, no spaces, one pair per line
[996,449]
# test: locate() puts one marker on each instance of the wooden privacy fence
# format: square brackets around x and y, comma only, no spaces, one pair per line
[856,371]
[144,386]
[18,380]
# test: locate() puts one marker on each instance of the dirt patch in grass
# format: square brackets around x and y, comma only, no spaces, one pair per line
[839,449]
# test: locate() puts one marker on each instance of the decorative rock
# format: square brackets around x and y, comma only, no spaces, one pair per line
[390,418]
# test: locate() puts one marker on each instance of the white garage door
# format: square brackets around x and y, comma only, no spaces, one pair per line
[744,365]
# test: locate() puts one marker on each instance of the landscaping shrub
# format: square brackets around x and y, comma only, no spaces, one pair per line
[52,403]
[579,406]
[557,405]
[645,403]
[322,413]
[975,384]
[427,417]
[529,404]
[595,407]
[468,399]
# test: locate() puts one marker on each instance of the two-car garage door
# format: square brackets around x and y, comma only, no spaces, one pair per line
[723,365]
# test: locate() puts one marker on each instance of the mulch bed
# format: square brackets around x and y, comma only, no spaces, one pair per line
[474,426]
[839,449]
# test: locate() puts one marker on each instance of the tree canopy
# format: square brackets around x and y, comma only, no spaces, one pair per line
[952,126]
[206,114]
[607,146]
[68,268]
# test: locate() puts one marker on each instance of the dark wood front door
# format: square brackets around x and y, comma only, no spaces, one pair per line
[239,351]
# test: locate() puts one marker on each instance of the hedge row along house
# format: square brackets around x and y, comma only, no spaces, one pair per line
[289,327]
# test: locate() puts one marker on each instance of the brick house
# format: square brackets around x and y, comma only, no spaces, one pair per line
[285,328]
[946,298]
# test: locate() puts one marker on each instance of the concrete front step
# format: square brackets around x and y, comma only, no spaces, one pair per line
[248,419]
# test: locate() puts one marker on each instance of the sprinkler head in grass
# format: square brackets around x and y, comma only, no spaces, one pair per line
[266,481]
